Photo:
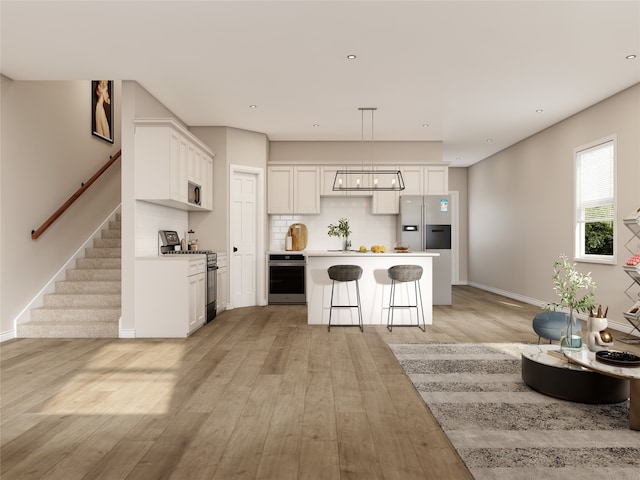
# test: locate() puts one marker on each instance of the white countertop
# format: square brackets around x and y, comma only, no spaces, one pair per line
[352,253]
[188,256]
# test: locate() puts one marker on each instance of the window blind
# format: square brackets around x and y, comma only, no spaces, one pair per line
[595,184]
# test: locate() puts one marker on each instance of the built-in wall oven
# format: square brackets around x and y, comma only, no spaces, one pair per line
[287,278]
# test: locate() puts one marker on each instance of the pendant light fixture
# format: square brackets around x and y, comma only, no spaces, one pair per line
[368,179]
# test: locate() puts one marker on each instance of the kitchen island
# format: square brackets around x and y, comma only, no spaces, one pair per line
[375,288]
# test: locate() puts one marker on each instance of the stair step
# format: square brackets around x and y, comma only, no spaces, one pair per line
[111,234]
[87,304]
[87,286]
[82,300]
[93,252]
[77,314]
[92,263]
[94,274]
[107,243]
[68,330]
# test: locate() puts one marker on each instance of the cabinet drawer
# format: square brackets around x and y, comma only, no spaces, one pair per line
[197,266]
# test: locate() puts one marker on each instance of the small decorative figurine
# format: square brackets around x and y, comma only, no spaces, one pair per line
[598,338]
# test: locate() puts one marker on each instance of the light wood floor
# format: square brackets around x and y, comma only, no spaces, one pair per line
[255,394]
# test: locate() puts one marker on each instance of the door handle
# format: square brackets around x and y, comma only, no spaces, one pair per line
[235,249]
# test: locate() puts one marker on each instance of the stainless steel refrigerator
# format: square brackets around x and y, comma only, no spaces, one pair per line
[424,224]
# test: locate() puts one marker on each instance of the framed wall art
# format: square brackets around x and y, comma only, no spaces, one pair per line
[102,109]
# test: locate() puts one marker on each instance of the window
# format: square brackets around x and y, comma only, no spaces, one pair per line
[595,201]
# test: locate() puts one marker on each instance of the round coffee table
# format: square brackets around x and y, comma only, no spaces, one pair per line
[629,375]
[557,377]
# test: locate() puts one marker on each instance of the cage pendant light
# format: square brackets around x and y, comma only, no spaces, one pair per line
[368,179]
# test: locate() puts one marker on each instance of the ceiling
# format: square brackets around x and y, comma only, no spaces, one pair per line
[472,74]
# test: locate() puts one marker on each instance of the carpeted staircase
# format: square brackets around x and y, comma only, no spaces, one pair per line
[87,304]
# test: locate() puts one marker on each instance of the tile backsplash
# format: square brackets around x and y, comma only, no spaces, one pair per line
[367,229]
[150,218]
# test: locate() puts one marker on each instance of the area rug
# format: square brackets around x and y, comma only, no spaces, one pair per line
[502,429]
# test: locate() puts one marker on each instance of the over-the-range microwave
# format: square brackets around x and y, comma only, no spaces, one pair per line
[193,194]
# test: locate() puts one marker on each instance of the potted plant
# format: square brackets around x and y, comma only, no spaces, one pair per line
[341,230]
[577,293]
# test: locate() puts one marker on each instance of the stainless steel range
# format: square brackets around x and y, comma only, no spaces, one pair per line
[170,240]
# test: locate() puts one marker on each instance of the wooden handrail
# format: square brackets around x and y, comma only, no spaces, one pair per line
[36,233]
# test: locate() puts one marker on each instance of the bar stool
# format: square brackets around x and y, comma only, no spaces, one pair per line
[345,273]
[402,274]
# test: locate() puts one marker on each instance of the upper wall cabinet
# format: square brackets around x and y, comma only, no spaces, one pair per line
[293,190]
[172,167]
[386,202]
[436,180]
[329,175]
[425,179]
[413,176]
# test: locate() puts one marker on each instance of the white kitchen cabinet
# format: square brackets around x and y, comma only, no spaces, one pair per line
[170,295]
[386,202]
[223,275]
[436,180]
[413,176]
[167,158]
[306,190]
[280,190]
[197,294]
[293,190]
[328,175]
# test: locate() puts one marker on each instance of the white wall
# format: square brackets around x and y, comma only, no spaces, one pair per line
[47,151]
[521,205]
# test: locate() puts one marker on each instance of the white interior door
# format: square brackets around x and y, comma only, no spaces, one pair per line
[243,229]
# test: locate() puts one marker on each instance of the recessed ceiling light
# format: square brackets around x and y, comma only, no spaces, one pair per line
[630,57]
[425,125]
[253,106]
[351,57]
[539,110]
[489,140]
[316,124]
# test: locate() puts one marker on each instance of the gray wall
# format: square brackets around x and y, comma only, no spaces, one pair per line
[458,183]
[136,103]
[47,152]
[521,205]
[354,153]
[231,146]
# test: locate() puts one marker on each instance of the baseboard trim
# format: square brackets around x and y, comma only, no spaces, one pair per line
[127,333]
[8,335]
[620,327]
[504,293]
